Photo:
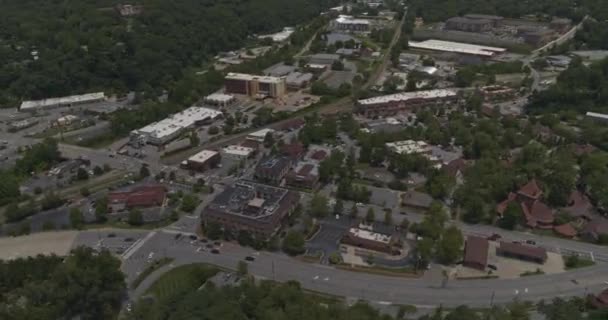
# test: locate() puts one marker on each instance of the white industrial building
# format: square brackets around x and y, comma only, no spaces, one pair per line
[280,36]
[408,147]
[220,100]
[456,47]
[597,116]
[62,101]
[161,132]
[348,23]
[260,135]
[237,152]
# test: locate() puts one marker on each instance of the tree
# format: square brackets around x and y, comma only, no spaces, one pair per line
[338,207]
[84,191]
[511,217]
[404,225]
[189,203]
[388,217]
[101,209]
[337,65]
[244,238]
[144,171]
[318,206]
[51,201]
[48,226]
[76,218]
[370,217]
[135,218]
[82,174]
[194,139]
[242,268]
[354,211]
[213,230]
[213,130]
[269,140]
[449,248]
[97,170]
[404,310]
[293,243]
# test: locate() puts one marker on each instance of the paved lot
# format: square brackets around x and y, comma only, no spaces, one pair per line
[59,243]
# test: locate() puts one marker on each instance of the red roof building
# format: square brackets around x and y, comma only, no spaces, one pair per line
[565,230]
[455,168]
[318,155]
[522,252]
[595,229]
[293,150]
[530,191]
[139,197]
[501,207]
[538,215]
[579,206]
[476,253]
[291,125]
[601,300]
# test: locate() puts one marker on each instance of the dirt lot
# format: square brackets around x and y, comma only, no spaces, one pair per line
[58,243]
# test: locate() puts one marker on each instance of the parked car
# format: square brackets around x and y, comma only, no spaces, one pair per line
[192,237]
[493,267]
[494,237]
[250,258]
[532,242]
[215,251]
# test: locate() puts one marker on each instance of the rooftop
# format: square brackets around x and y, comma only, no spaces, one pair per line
[298,78]
[370,235]
[203,156]
[457,47]
[260,133]
[408,146]
[251,77]
[476,250]
[523,250]
[344,19]
[279,36]
[62,100]
[597,115]
[178,121]
[404,96]
[219,97]
[238,150]
[249,199]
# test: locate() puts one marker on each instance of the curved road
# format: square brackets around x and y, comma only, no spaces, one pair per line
[422,292]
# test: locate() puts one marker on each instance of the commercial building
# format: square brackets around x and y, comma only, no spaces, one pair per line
[247,206]
[495,20]
[304,175]
[69,101]
[294,150]
[220,100]
[409,147]
[597,116]
[272,170]
[536,213]
[416,200]
[348,23]
[65,121]
[456,47]
[255,86]
[159,133]
[522,252]
[535,36]
[476,253]
[139,197]
[366,240]
[260,135]
[129,10]
[298,80]
[391,105]
[203,160]
[237,152]
[326,59]
[496,93]
[468,24]
[279,36]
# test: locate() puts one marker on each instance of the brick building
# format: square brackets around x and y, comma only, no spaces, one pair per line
[138,197]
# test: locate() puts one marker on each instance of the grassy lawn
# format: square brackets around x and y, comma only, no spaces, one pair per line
[575,262]
[151,268]
[182,279]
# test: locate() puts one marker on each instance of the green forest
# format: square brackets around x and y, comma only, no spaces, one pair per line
[84,285]
[84,46]
[438,10]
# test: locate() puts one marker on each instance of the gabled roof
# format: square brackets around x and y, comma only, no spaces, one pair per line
[531,190]
[578,204]
[293,150]
[523,250]
[596,227]
[476,250]
[566,230]
[501,207]
[454,166]
[537,212]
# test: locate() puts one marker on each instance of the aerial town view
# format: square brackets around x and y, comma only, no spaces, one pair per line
[304,159]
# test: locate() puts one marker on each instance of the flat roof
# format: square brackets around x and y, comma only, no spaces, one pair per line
[408,146]
[219,97]
[457,47]
[597,115]
[476,250]
[62,100]
[251,77]
[178,121]
[279,36]
[240,197]
[523,250]
[370,235]
[203,156]
[238,150]
[261,133]
[343,19]
[404,96]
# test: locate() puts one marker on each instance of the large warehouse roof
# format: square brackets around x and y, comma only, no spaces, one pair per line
[404,96]
[457,47]
[82,98]
[179,121]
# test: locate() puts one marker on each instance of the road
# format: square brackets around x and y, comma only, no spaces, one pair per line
[375,288]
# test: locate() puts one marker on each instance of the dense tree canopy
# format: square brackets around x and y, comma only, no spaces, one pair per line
[84,46]
[85,284]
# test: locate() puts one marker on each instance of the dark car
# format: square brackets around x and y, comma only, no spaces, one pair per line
[493,267]
[178,236]
[215,251]
[494,237]
[209,246]
[203,240]
[532,242]
[217,243]
[111,235]
[249,258]
[193,237]
[129,239]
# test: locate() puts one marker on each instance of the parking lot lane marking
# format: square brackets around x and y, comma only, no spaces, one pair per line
[136,245]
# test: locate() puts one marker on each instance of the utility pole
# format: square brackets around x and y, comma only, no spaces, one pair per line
[492,299]
[273,274]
